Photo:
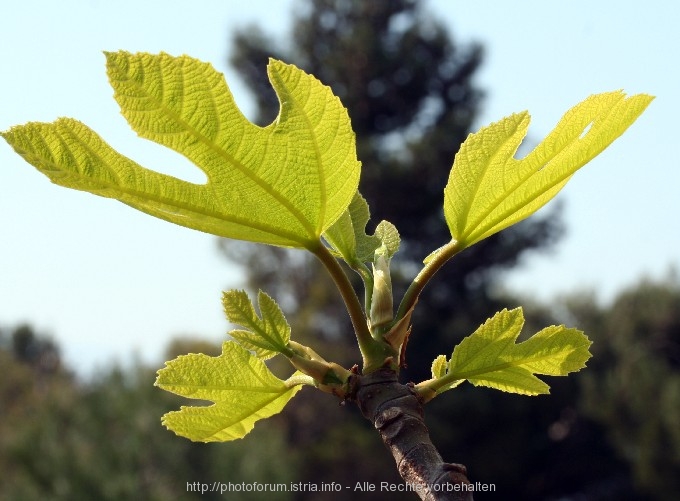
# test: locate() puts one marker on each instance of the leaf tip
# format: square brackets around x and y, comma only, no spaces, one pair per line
[112,55]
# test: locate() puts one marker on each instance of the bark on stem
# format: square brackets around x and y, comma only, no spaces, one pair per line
[397,414]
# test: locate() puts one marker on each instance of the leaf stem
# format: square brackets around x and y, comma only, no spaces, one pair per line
[438,259]
[349,296]
[436,384]
[430,388]
[367,278]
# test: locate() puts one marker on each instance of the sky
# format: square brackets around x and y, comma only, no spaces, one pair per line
[107,282]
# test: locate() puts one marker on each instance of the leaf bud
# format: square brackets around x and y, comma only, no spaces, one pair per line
[381,301]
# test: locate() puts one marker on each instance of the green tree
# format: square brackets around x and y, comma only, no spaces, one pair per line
[632,386]
[64,439]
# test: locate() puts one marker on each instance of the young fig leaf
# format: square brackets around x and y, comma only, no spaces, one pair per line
[284,184]
[491,357]
[241,386]
[266,336]
[489,190]
[389,238]
[348,236]
[439,366]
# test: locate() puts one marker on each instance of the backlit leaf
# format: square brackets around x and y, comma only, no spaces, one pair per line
[241,386]
[489,190]
[439,366]
[349,239]
[491,357]
[348,236]
[389,237]
[284,184]
[266,336]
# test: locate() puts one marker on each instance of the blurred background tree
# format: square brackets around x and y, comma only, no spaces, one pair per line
[61,439]
[632,386]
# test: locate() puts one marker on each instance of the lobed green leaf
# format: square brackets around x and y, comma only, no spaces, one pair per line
[284,184]
[488,189]
[266,336]
[348,236]
[241,386]
[491,357]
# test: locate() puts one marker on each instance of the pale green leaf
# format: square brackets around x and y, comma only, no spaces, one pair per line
[489,190]
[265,336]
[348,236]
[439,366]
[284,184]
[389,237]
[491,357]
[241,386]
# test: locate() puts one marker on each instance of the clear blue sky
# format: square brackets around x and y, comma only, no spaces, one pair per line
[107,281]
